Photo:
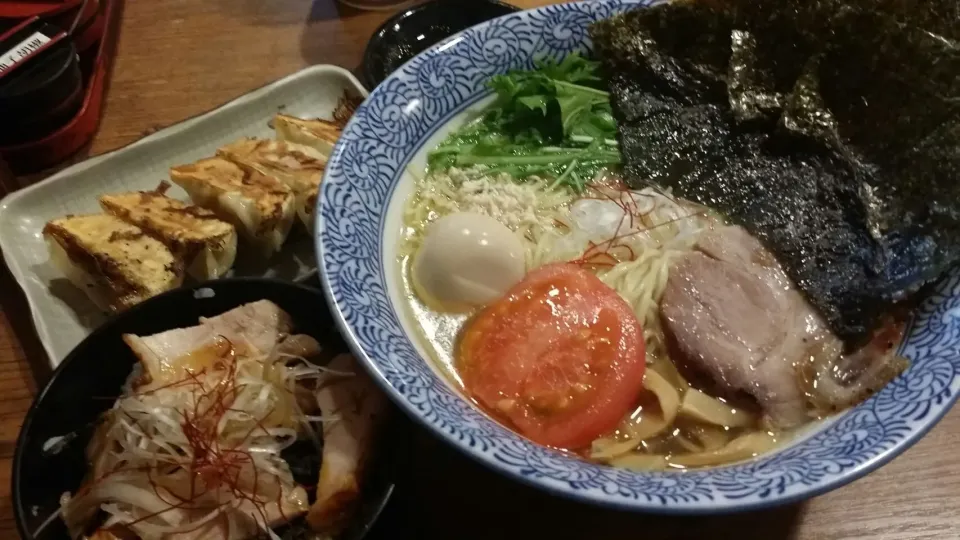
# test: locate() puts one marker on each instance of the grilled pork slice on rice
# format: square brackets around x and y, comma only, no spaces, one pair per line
[194,449]
[358,407]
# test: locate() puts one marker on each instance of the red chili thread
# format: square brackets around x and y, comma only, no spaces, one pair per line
[605,254]
[210,467]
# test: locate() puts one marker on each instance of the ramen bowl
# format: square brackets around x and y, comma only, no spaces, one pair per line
[371,174]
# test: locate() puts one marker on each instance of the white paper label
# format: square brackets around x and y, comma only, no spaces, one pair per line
[22,50]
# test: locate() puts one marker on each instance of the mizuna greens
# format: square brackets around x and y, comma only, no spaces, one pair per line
[554,121]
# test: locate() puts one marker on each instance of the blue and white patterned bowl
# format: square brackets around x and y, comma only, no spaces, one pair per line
[365,187]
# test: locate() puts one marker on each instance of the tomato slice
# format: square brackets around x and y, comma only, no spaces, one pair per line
[561,357]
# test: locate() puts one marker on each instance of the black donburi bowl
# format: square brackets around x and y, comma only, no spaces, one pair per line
[90,378]
[414,30]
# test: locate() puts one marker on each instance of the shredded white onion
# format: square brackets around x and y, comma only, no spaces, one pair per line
[173,459]
[325,419]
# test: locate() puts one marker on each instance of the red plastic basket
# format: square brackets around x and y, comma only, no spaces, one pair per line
[96,40]
[38,8]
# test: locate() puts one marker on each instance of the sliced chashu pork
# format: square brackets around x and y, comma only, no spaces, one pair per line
[357,405]
[170,356]
[247,519]
[735,316]
[244,521]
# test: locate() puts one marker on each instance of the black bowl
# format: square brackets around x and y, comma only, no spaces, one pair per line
[90,378]
[41,95]
[413,30]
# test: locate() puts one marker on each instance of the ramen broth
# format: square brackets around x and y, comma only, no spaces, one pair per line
[662,429]
[618,322]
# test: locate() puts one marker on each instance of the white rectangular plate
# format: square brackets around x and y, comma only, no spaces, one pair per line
[61,313]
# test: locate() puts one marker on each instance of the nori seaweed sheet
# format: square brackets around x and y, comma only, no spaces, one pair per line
[831,130]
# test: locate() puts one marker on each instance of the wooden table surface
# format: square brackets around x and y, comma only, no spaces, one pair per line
[177,58]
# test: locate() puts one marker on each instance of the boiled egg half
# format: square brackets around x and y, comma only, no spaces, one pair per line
[466,260]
